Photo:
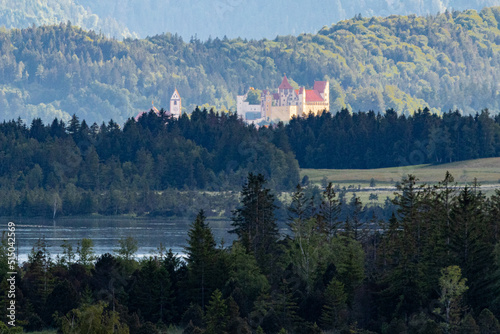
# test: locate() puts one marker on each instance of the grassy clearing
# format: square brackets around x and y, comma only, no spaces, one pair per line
[486,171]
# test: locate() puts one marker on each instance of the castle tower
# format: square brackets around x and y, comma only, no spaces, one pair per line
[284,90]
[175,104]
[302,101]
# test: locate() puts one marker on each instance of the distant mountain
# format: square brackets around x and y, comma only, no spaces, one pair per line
[232,18]
[448,61]
[258,19]
[25,13]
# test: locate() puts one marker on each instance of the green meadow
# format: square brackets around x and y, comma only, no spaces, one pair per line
[485,171]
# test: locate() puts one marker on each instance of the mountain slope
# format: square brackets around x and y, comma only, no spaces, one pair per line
[24,13]
[442,62]
[258,19]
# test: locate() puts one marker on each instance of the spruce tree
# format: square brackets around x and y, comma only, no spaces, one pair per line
[254,222]
[471,247]
[217,315]
[488,323]
[201,254]
[334,314]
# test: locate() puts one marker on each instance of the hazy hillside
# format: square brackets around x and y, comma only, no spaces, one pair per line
[24,13]
[232,18]
[444,62]
[257,19]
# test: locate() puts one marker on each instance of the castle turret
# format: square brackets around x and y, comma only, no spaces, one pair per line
[284,90]
[175,104]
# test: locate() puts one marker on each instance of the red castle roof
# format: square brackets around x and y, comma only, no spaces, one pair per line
[320,86]
[311,95]
[285,84]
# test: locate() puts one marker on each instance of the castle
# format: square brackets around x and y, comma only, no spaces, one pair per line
[175,107]
[286,103]
[175,104]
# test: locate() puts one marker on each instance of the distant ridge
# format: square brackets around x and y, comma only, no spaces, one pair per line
[405,63]
[233,18]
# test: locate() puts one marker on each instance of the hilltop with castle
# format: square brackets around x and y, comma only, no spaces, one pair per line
[280,105]
[286,103]
[175,107]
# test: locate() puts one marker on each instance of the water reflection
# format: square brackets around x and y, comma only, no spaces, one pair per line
[105,234]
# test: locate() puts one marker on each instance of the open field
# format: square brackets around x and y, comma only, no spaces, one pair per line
[486,171]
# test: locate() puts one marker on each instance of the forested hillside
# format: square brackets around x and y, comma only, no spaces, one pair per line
[25,13]
[433,268]
[232,18]
[77,168]
[444,62]
[258,19]
[59,169]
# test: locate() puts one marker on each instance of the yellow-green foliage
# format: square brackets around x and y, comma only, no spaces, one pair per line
[442,62]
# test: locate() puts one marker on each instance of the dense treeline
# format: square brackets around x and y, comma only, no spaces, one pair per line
[232,18]
[373,140]
[445,62]
[72,169]
[432,268]
[157,165]
[226,17]
[25,13]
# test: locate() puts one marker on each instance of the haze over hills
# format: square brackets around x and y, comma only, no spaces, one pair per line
[231,18]
[261,18]
[25,13]
[449,61]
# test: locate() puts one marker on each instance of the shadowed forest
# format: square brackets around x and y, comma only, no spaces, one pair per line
[433,267]
[159,166]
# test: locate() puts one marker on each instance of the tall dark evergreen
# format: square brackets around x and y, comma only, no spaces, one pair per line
[255,223]
[471,247]
[201,259]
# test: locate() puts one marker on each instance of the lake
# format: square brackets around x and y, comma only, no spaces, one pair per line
[105,233]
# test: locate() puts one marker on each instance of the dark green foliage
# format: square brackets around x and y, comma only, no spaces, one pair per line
[63,298]
[216,316]
[150,292]
[334,315]
[246,281]
[193,316]
[471,246]
[146,168]
[402,277]
[469,325]
[149,167]
[335,141]
[445,62]
[108,280]
[201,259]
[488,323]
[254,222]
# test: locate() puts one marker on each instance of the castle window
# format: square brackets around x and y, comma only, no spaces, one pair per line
[175,103]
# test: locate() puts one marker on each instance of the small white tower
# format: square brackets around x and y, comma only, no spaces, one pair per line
[175,104]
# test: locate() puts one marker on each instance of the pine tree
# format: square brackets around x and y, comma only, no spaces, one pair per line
[488,323]
[254,222]
[201,255]
[329,210]
[468,325]
[470,246]
[151,292]
[217,315]
[334,314]
[403,280]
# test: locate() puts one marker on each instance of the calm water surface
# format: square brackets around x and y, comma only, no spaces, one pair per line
[105,233]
